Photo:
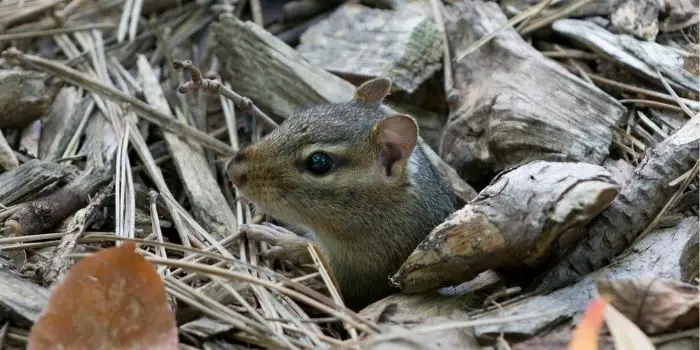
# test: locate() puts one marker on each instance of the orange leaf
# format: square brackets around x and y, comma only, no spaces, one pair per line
[114,299]
[586,334]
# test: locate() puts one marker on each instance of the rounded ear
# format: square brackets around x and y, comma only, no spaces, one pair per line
[398,135]
[373,91]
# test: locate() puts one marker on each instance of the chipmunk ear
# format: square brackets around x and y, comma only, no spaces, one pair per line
[373,91]
[397,136]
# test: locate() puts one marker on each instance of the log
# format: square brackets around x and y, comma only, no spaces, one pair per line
[404,44]
[634,208]
[513,105]
[643,58]
[517,221]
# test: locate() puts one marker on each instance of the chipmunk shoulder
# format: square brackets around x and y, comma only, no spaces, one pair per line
[353,174]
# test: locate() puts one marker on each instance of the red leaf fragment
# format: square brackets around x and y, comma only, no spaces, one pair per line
[114,299]
[586,334]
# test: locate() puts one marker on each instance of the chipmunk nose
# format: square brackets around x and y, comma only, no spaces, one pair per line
[237,169]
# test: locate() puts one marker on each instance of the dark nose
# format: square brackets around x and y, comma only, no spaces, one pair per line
[236,168]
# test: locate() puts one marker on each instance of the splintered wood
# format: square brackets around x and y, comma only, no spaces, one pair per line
[404,45]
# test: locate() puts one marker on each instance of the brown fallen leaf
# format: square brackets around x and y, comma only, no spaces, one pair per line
[114,299]
[655,305]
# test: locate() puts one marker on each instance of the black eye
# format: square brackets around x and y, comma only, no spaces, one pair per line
[319,163]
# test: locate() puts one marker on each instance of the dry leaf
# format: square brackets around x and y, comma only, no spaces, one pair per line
[114,299]
[586,334]
[654,305]
[626,334]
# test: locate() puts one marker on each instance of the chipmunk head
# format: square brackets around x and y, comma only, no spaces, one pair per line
[329,160]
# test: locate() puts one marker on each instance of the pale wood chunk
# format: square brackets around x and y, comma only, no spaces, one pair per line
[642,57]
[523,217]
[24,97]
[60,124]
[8,159]
[207,201]
[636,17]
[514,104]
[404,45]
[21,300]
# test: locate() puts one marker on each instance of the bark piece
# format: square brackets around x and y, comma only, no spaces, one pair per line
[520,219]
[60,125]
[689,259]
[636,17]
[642,57]
[8,159]
[634,208]
[404,45]
[289,81]
[655,305]
[42,214]
[24,97]
[266,70]
[30,178]
[203,192]
[21,300]
[514,104]
[679,14]
[655,255]
[29,139]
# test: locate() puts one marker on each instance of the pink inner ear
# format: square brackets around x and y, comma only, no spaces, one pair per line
[400,134]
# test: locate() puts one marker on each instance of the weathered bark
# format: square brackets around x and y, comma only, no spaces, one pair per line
[635,207]
[513,104]
[21,300]
[656,255]
[519,220]
[642,57]
[24,97]
[29,179]
[636,17]
[61,123]
[404,44]
[42,214]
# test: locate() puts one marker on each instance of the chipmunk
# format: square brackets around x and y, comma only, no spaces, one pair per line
[351,173]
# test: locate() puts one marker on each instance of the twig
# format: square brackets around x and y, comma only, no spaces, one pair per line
[198,82]
[675,96]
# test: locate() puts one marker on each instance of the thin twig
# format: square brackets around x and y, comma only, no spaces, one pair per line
[198,82]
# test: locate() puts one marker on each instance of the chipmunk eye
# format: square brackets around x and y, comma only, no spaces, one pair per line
[319,163]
